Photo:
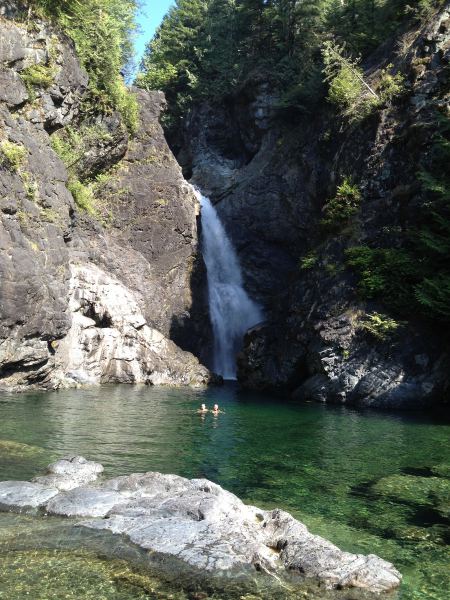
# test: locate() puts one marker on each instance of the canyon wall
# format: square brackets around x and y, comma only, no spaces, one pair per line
[87,296]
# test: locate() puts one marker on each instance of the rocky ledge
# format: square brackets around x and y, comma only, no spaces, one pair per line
[196,528]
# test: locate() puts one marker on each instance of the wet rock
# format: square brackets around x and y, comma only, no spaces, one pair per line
[22,496]
[69,473]
[203,531]
[83,502]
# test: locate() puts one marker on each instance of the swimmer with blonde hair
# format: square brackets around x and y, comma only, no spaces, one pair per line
[202,410]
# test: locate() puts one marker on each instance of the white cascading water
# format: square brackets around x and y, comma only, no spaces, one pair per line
[231,310]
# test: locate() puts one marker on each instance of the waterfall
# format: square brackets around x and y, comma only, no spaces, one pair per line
[231,310]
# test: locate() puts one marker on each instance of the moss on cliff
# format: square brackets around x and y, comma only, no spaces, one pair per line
[102,31]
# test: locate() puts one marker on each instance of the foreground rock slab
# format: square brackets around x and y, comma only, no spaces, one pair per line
[198,528]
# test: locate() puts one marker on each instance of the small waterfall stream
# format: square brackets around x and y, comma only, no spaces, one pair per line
[231,310]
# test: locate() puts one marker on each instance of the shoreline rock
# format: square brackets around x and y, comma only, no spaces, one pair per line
[197,528]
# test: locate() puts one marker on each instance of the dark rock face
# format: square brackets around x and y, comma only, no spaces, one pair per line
[105,151]
[255,190]
[35,209]
[154,214]
[86,300]
[313,344]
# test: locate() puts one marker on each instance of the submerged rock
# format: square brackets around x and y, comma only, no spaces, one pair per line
[197,529]
[433,492]
[10,449]
[74,575]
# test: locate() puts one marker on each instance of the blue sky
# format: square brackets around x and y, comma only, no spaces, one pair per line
[149,17]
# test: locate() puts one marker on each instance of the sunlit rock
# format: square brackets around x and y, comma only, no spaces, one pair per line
[197,529]
[110,340]
[69,473]
[23,496]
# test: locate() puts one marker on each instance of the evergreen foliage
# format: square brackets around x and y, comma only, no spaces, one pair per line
[308,261]
[387,273]
[348,88]
[380,326]
[343,206]
[102,31]
[209,48]
[433,292]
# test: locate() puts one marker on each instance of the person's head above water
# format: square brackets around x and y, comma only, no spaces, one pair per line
[203,406]
[216,407]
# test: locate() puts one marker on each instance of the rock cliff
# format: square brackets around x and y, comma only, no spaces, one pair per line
[87,297]
[270,184]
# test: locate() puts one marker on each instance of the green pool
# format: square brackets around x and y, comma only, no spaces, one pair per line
[368,481]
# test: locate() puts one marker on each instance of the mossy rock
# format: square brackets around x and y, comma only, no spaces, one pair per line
[411,533]
[421,491]
[382,517]
[15,450]
[443,508]
[442,470]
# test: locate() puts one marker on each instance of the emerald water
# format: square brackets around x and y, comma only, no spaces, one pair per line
[367,481]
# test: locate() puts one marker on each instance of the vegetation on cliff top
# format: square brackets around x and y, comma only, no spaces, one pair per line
[209,48]
[309,51]
[102,31]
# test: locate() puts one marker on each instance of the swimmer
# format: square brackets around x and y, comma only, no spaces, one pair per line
[215,410]
[202,410]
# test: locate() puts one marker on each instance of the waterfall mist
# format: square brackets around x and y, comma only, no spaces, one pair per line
[231,310]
